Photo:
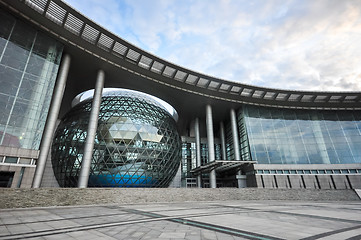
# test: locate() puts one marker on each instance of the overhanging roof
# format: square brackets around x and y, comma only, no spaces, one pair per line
[76,30]
[221,166]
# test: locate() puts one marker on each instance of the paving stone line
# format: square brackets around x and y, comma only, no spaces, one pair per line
[326,234]
[301,215]
[221,229]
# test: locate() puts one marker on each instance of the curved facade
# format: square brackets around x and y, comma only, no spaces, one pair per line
[136,145]
[232,134]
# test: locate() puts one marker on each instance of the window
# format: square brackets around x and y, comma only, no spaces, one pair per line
[11,160]
[25,161]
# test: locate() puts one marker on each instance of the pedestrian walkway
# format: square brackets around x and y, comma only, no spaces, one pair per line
[187,220]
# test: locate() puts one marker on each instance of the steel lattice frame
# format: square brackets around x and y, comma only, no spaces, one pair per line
[137,144]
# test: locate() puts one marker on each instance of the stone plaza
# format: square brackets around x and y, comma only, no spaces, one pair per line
[171,216]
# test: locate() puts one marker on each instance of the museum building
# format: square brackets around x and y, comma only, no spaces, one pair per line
[81,107]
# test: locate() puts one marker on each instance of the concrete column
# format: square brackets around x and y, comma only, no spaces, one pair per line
[223,140]
[210,139]
[92,129]
[51,121]
[237,155]
[198,150]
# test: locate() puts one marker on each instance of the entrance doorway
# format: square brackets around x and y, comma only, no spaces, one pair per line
[6,179]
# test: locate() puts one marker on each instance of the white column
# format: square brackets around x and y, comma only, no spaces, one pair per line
[92,129]
[198,150]
[210,139]
[237,155]
[51,121]
[223,140]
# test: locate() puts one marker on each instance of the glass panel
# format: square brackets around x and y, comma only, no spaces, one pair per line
[25,160]
[29,63]
[11,160]
[285,136]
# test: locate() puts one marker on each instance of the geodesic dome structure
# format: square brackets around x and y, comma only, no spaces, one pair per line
[137,143]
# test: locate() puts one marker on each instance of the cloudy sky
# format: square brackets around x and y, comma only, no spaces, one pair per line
[288,44]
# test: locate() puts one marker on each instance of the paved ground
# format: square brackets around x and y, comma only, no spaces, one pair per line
[187,220]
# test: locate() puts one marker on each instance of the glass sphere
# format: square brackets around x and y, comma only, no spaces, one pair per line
[137,143]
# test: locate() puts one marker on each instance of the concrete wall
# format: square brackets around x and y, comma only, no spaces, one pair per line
[28,173]
[27,178]
[326,182]
[335,181]
[18,152]
[177,180]
[355,181]
[296,181]
[309,176]
[282,181]
[49,179]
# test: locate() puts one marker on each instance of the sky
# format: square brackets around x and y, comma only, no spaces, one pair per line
[284,44]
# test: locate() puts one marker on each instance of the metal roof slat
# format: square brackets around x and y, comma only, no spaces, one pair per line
[119,49]
[90,34]
[169,71]
[133,55]
[37,5]
[191,79]
[327,99]
[342,99]
[263,94]
[208,83]
[105,42]
[185,77]
[162,70]
[214,85]
[65,18]
[219,86]
[180,76]
[287,97]
[229,88]
[173,75]
[332,101]
[155,67]
[46,7]
[97,39]
[313,98]
[247,92]
[82,29]
[55,13]
[145,62]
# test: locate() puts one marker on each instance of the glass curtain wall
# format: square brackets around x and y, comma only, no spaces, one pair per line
[229,143]
[29,63]
[284,136]
[189,161]
[188,158]
[243,137]
[137,143]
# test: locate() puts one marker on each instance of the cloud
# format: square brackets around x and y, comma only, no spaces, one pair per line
[295,44]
